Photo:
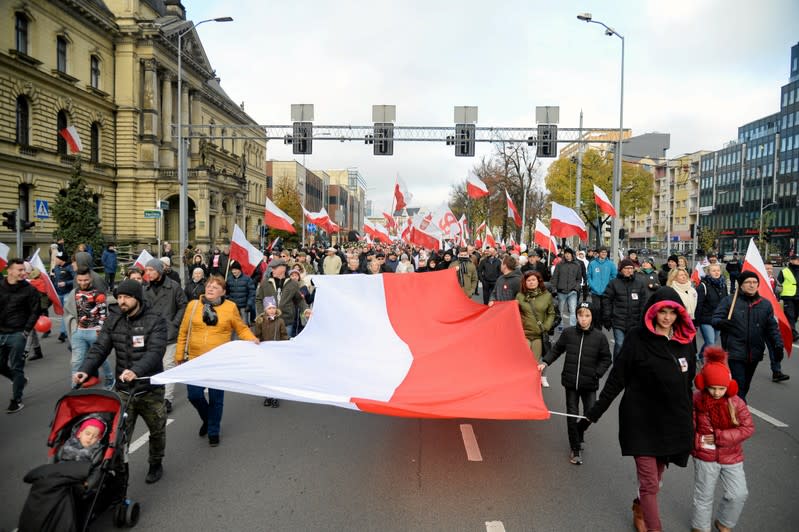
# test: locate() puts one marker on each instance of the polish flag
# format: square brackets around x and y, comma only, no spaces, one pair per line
[44,284]
[70,134]
[425,239]
[475,188]
[276,218]
[401,195]
[565,223]
[464,225]
[753,262]
[482,351]
[699,271]
[543,238]
[603,202]
[376,231]
[489,241]
[447,221]
[480,229]
[275,243]
[391,223]
[243,252]
[406,232]
[317,218]
[512,212]
[144,258]
[4,251]
[329,226]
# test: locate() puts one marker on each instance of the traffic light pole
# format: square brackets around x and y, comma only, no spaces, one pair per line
[19,235]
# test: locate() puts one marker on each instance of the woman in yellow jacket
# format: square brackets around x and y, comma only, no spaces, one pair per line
[208,323]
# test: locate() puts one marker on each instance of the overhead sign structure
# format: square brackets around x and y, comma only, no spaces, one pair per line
[42,209]
[152,214]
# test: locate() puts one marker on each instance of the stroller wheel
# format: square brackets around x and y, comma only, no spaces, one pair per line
[132,514]
[119,515]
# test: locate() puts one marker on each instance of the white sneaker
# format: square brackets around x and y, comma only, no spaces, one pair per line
[544,382]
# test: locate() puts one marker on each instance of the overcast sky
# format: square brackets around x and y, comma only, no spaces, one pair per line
[696,69]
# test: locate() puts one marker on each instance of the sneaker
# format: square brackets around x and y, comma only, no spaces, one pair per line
[544,381]
[213,441]
[275,403]
[203,429]
[168,404]
[575,458]
[154,474]
[62,338]
[14,407]
[268,401]
[779,376]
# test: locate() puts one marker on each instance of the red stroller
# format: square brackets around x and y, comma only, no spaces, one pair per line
[67,496]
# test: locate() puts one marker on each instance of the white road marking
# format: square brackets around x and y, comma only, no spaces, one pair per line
[470,442]
[143,438]
[766,417]
[495,526]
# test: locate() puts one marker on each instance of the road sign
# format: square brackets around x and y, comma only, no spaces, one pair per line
[163,205]
[311,228]
[42,209]
[152,214]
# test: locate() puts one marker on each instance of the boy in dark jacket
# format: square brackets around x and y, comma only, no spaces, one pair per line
[587,359]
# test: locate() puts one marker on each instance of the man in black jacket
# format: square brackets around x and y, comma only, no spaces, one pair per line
[138,335]
[745,334]
[625,297]
[567,281]
[19,302]
[488,272]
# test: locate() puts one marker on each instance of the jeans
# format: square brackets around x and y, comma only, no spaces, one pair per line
[109,280]
[650,472]
[569,300]
[82,340]
[733,497]
[710,336]
[12,361]
[742,372]
[618,341]
[63,331]
[487,289]
[290,330]
[210,410]
[573,398]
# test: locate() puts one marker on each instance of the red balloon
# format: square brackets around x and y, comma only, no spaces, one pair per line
[43,324]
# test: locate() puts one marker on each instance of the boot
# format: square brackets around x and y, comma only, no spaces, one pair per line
[154,473]
[720,527]
[638,516]
[37,354]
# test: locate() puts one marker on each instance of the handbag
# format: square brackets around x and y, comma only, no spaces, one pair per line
[188,333]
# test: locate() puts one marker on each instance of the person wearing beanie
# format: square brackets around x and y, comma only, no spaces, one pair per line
[85,441]
[671,263]
[649,275]
[710,291]
[168,271]
[567,280]
[601,271]
[241,290]
[723,422]
[195,287]
[747,324]
[138,336]
[625,297]
[270,327]
[467,272]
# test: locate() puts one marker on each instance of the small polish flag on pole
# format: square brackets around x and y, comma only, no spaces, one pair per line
[699,271]
[512,212]
[70,134]
[4,250]
[603,202]
[475,188]
[565,223]
[401,195]
[543,238]
[243,252]
[144,258]
[275,218]
[47,283]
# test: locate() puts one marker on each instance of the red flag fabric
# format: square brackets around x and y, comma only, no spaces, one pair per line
[565,223]
[475,188]
[512,212]
[243,252]
[142,260]
[391,223]
[376,231]
[424,239]
[480,229]
[407,230]
[401,195]
[753,262]
[275,218]
[45,284]
[699,271]
[489,368]
[70,134]
[489,241]
[543,238]
[603,202]
[4,250]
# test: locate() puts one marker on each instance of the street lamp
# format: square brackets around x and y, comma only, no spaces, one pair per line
[614,231]
[183,208]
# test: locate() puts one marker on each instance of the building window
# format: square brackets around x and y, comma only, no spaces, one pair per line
[61,54]
[95,72]
[61,123]
[23,121]
[95,143]
[21,32]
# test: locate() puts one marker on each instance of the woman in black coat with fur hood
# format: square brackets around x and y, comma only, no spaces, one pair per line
[655,369]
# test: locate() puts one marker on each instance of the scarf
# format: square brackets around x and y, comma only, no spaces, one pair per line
[716,283]
[721,411]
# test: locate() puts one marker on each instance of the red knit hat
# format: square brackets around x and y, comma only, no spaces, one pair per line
[715,372]
[93,422]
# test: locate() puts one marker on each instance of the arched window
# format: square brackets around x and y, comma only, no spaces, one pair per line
[95,143]
[61,54]
[94,66]
[61,123]
[23,121]
[21,32]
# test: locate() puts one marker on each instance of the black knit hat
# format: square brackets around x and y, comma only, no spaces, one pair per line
[743,276]
[131,288]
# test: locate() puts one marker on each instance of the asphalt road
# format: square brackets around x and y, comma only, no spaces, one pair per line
[308,467]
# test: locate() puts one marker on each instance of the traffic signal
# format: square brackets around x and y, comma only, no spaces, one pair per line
[384,138]
[302,139]
[24,225]
[547,140]
[10,220]
[464,140]
[622,233]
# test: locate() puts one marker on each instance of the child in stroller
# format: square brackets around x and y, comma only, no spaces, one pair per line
[85,442]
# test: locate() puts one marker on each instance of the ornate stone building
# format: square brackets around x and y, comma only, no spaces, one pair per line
[109,68]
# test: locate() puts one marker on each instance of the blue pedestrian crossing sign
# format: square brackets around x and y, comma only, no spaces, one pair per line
[42,209]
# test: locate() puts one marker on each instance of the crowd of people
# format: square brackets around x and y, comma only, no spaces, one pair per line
[152,321]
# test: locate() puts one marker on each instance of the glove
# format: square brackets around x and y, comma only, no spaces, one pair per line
[583,425]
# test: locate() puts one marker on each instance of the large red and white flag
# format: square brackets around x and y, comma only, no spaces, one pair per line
[142,260]
[391,223]
[275,218]
[70,134]
[376,231]
[490,371]
[328,224]
[401,195]
[699,271]
[44,284]
[405,236]
[512,212]
[489,241]
[317,218]
[603,202]
[446,221]
[480,229]
[475,188]
[543,238]
[4,251]
[464,226]
[426,234]
[753,262]
[247,255]
[565,223]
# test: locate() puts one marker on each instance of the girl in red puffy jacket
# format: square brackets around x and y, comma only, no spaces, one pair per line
[721,424]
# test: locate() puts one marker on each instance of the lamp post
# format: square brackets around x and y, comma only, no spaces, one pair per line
[617,169]
[183,210]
